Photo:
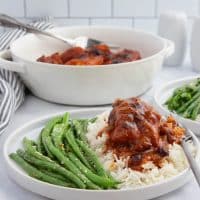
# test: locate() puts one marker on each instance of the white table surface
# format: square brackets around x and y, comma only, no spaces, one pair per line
[34,107]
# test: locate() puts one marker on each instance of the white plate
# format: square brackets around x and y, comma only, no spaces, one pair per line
[32,129]
[165,92]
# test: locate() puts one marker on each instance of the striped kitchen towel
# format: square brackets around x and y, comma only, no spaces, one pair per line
[11,87]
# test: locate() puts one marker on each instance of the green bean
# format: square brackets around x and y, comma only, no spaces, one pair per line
[92,120]
[48,128]
[53,166]
[185,106]
[92,158]
[28,146]
[66,118]
[57,135]
[182,97]
[80,127]
[59,130]
[52,174]
[187,112]
[33,172]
[66,161]
[40,146]
[69,135]
[101,181]
[195,111]
[66,147]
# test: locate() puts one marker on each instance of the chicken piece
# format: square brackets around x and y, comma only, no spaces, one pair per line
[131,123]
[54,58]
[137,132]
[92,60]
[100,49]
[72,53]
[126,55]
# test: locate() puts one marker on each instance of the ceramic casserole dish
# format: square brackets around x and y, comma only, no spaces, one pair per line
[87,85]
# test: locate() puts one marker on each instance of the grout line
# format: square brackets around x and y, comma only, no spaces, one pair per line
[68,8]
[143,17]
[107,17]
[90,21]
[198,6]
[112,8]
[130,18]
[133,22]
[25,9]
[156,9]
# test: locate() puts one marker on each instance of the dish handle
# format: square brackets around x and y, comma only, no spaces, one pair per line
[169,48]
[6,63]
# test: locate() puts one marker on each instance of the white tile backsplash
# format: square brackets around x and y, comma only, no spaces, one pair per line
[142,14]
[56,8]
[90,8]
[112,22]
[12,7]
[190,7]
[150,25]
[71,22]
[134,8]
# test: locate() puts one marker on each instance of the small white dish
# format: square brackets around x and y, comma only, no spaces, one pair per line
[32,129]
[164,92]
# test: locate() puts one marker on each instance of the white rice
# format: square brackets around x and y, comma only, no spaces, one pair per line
[174,164]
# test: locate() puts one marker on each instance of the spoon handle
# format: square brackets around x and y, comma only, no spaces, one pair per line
[8,21]
[195,167]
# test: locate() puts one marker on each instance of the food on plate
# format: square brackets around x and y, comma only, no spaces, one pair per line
[185,100]
[127,147]
[136,144]
[62,150]
[96,55]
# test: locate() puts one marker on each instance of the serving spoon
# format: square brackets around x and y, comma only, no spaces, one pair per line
[82,41]
[195,167]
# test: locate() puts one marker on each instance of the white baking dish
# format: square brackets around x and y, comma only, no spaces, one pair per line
[87,85]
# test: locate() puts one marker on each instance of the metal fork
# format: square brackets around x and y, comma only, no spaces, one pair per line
[83,41]
[195,167]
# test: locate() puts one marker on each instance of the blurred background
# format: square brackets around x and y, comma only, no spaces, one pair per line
[141,14]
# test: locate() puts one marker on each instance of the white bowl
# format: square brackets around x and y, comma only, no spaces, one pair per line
[87,85]
[32,129]
[164,92]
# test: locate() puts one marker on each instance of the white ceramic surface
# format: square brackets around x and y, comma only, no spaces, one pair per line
[164,92]
[173,26]
[89,85]
[195,44]
[32,130]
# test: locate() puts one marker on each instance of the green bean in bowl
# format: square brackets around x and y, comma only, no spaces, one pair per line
[62,156]
[185,100]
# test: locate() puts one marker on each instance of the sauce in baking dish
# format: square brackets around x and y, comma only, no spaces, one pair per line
[96,55]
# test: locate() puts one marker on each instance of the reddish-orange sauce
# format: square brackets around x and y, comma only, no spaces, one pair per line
[96,55]
[137,131]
